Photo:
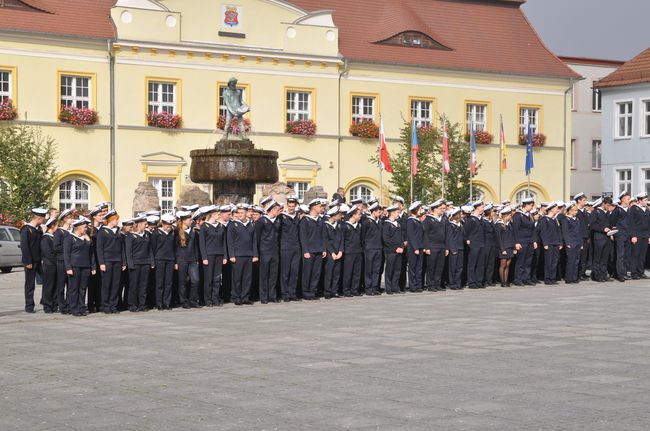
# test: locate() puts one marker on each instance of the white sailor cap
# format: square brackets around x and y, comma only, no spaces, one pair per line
[570,205]
[560,204]
[265,200]
[505,210]
[543,204]
[272,205]
[197,214]
[333,204]
[168,219]
[437,203]
[598,202]
[243,206]
[225,208]
[579,196]
[392,208]
[344,208]
[183,214]
[641,196]
[478,204]
[467,209]
[258,209]
[352,210]
[103,205]
[449,203]
[314,202]
[488,207]
[50,221]
[128,222]
[323,201]
[152,219]
[139,219]
[207,209]
[356,201]
[616,201]
[93,212]
[190,208]
[623,193]
[152,213]
[398,199]
[109,214]
[507,201]
[454,211]
[551,205]
[292,199]
[81,220]
[304,208]
[528,200]
[374,206]
[65,213]
[41,212]
[415,206]
[333,211]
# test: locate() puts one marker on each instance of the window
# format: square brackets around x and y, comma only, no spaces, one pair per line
[4,235]
[414,39]
[5,85]
[573,153]
[299,188]
[166,188]
[646,181]
[623,181]
[528,116]
[624,119]
[298,105]
[525,193]
[596,154]
[75,91]
[74,194]
[361,191]
[245,93]
[574,96]
[476,114]
[363,108]
[422,112]
[596,101]
[645,121]
[162,97]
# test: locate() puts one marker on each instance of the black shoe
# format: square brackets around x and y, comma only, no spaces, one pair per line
[327,296]
[389,293]
[621,279]
[247,302]
[287,300]
[518,283]
[186,306]
[264,302]
[347,295]
[530,283]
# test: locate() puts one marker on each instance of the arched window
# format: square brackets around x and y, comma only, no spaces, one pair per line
[74,194]
[361,191]
[523,194]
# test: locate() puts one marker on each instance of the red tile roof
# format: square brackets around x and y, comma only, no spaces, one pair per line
[82,18]
[484,35]
[635,71]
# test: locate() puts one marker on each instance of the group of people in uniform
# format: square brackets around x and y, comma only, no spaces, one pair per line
[276,251]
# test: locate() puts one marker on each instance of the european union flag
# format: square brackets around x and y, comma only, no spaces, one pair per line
[529,152]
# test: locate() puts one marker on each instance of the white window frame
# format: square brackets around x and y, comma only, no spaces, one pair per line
[574,96]
[356,192]
[419,107]
[617,117]
[572,152]
[617,183]
[644,179]
[9,93]
[74,82]
[523,194]
[472,117]
[599,158]
[293,105]
[167,203]
[299,188]
[524,118]
[644,130]
[596,99]
[74,202]
[360,103]
[158,106]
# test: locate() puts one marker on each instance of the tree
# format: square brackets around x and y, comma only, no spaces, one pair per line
[27,170]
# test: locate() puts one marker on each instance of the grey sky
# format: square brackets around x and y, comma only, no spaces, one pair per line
[605,29]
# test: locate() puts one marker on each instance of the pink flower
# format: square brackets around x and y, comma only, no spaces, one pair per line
[77,116]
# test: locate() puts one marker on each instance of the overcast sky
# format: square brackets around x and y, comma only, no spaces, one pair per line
[604,29]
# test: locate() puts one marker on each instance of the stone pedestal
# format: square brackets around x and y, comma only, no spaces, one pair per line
[315,192]
[193,195]
[146,198]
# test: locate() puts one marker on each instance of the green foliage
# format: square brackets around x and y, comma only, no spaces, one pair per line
[27,170]
[427,184]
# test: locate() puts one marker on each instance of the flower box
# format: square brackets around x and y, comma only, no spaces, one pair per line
[77,116]
[538,139]
[367,129]
[301,127]
[481,137]
[164,120]
[7,110]
[234,127]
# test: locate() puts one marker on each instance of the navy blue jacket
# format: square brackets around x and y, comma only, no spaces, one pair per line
[504,235]
[352,238]
[48,254]
[572,232]
[109,246]
[414,233]
[78,253]
[59,237]
[524,228]
[391,235]
[434,233]
[584,217]
[371,234]
[549,231]
[212,240]
[488,227]
[138,250]
[639,222]
[474,231]
[163,246]
[618,220]
[30,244]
[311,235]
[333,238]
[289,232]
[455,237]
[268,236]
[189,253]
[241,239]
[598,222]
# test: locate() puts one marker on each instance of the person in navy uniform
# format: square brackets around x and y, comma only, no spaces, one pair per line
[214,251]
[415,247]
[333,240]
[80,263]
[48,266]
[289,250]
[110,260]
[622,247]
[572,236]
[505,244]
[30,246]
[242,252]
[162,245]
[525,243]
[372,247]
[140,261]
[475,239]
[402,219]
[65,220]
[187,260]
[313,250]
[490,250]
[352,252]
[122,302]
[583,215]
[455,244]
[267,231]
[602,243]
[434,244]
[393,242]
[639,224]
[551,238]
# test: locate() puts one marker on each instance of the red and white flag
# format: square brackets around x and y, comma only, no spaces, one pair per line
[385,162]
[446,165]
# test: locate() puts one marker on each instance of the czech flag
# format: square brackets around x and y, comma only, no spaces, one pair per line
[472,148]
[446,165]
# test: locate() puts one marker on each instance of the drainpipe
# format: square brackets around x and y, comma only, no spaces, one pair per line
[111,59]
[564,141]
[338,150]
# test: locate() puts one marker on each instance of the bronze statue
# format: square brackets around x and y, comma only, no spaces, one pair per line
[235,106]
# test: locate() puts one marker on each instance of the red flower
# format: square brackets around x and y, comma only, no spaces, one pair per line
[77,116]
[7,110]
[482,137]
[234,127]
[164,120]
[538,139]
[301,127]
[365,129]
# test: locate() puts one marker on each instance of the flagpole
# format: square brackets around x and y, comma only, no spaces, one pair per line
[500,156]
[381,183]
[411,151]
[444,124]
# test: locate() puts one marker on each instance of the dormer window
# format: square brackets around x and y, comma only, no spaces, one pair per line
[414,39]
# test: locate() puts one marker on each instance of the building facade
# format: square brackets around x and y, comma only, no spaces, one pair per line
[355,61]
[626,127]
[586,140]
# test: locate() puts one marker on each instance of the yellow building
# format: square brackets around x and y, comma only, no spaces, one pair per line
[476,62]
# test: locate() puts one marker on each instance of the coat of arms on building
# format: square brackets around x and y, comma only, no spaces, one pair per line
[232,16]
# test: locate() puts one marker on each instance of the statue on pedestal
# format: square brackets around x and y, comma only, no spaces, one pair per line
[235,106]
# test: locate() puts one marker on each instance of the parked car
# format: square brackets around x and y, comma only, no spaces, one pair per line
[10,255]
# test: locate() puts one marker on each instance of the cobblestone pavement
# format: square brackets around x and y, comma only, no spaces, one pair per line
[562,358]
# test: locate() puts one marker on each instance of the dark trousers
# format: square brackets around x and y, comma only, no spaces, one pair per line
[30,286]
[584,255]
[403,269]
[242,279]
[392,271]
[269,277]
[188,283]
[352,273]
[435,264]
[524,263]
[639,251]
[138,282]
[623,254]
[332,276]
[111,285]
[49,286]
[551,257]
[490,264]
[213,280]
[415,269]
[61,282]
[372,270]
[77,286]
[164,279]
[311,274]
[455,268]
[601,251]
[289,270]
[95,292]
[475,266]
[572,272]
